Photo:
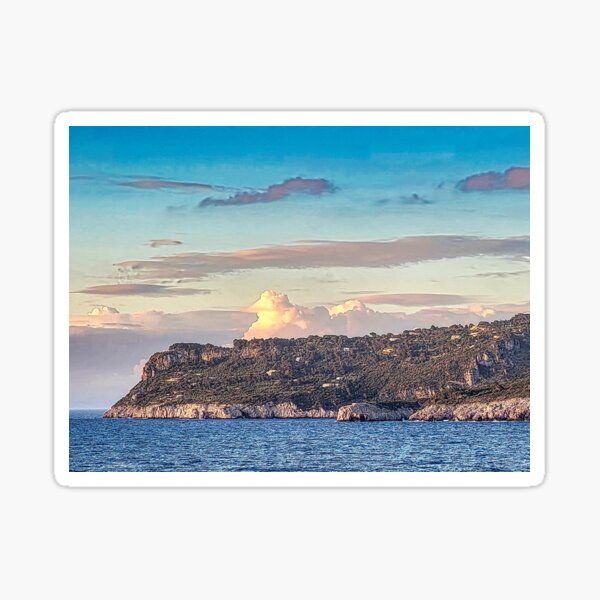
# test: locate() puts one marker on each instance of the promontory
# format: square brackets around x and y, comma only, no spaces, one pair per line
[473,372]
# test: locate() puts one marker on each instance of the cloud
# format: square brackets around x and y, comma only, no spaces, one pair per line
[360,292]
[314,254]
[189,324]
[415,199]
[163,242]
[277,316]
[347,306]
[155,183]
[482,311]
[499,274]
[411,199]
[103,353]
[103,310]
[515,178]
[140,289]
[414,299]
[105,348]
[513,308]
[138,368]
[274,193]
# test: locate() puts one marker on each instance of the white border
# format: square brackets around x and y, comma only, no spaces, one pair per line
[301,479]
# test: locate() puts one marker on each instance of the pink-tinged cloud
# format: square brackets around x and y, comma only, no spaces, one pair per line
[499,274]
[386,253]
[274,193]
[414,299]
[515,178]
[152,183]
[140,289]
[163,242]
[195,324]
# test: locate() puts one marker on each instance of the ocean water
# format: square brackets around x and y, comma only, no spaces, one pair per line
[98,444]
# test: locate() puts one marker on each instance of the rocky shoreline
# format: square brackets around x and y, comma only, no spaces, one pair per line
[511,409]
[270,410]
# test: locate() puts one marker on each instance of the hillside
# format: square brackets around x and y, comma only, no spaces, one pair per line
[477,371]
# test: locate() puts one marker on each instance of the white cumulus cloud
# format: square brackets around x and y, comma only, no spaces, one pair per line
[482,311]
[348,306]
[277,316]
[103,310]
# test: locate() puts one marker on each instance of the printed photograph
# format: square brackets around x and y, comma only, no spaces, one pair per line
[299,298]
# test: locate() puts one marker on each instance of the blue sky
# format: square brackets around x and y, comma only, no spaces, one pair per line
[177,228]
[164,147]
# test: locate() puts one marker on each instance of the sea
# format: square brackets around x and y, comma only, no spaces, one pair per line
[97,444]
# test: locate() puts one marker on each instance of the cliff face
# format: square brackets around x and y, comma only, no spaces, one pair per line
[510,409]
[474,372]
[212,410]
[182,355]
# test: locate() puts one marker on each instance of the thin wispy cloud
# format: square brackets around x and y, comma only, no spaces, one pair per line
[384,253]
[82,178]
[515,178]
[360,292]
[500,274]
[159,321]
[274,193]
[415,299]
[140,289]
[155,183]
[163,242]
[415,199]
[410,199]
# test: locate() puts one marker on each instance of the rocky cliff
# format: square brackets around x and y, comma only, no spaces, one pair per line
[473,372]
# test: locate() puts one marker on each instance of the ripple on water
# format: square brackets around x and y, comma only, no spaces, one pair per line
[98,444]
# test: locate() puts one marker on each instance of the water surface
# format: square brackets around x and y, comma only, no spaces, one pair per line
[98,444]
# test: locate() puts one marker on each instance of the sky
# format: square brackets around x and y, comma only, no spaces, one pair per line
[209,234]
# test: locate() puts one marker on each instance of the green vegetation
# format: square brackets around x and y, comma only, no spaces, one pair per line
[441,364]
